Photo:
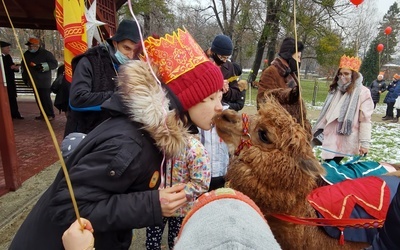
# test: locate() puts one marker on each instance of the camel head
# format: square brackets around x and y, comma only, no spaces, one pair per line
[273,154]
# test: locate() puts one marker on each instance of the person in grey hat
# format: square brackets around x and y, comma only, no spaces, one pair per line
[94,74]
[282,73]
[9,69]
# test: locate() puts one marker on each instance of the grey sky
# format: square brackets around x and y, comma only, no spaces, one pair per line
[383,5]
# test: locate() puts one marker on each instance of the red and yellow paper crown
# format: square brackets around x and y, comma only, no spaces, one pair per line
[352,63]
[174,54]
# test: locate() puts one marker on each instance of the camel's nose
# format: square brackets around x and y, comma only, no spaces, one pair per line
[228,116]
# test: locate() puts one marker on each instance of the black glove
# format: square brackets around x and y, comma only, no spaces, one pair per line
[38,67]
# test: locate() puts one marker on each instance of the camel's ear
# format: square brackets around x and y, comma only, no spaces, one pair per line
[312,167]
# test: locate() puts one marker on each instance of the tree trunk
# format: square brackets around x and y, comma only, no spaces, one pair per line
[270,29]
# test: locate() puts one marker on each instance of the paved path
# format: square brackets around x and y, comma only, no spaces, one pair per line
[35,148]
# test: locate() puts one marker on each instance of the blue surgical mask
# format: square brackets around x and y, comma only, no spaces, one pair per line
[122,59]
[33,50]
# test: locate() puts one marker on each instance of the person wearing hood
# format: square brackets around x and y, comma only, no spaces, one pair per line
[117,168]
[344,124]
[94,74]
[40,62]
[283,72]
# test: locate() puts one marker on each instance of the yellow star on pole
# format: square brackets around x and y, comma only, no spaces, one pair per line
[92,24]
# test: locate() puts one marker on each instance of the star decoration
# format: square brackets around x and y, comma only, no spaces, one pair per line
[92,24]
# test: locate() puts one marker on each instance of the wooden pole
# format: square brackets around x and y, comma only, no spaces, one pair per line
[7,145]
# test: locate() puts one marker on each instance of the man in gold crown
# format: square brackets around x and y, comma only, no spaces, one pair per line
[117,168]
[344,124]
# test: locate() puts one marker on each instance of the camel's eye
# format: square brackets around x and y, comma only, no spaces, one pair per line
[263,136]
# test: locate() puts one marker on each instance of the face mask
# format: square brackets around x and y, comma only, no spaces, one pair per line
[342,81]
[122,59]
[216,59]
[33,50]
[343,84]
[293,65]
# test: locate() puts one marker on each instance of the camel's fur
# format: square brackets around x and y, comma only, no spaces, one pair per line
[290,100]
[278,171]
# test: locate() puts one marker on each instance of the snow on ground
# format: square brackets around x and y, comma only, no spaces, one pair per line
[385,143]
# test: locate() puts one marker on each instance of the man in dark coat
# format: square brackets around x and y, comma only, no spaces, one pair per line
[10,68]
[377,87]
[40,63]
[242,84]
[94,74]
[390,99]
[220,51]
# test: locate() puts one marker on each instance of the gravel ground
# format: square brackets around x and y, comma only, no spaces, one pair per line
[15,206]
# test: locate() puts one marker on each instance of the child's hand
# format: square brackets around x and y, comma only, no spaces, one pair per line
[225,88]
[363,151]
[171,199]
[76,238]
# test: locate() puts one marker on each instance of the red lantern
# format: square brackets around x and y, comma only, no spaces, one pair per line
[356,2]
[380,47]
[388,30]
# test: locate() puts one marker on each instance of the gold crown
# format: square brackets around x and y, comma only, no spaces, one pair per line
[352,63]
[174,54]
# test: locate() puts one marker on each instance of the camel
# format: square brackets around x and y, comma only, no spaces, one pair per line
[275,166]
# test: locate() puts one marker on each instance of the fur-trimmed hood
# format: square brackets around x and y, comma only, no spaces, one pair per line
[144,100]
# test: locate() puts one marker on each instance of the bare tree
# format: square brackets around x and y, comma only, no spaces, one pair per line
[155,15]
